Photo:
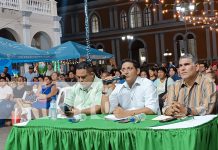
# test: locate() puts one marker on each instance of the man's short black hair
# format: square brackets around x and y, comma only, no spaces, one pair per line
[4,78]
[162,69]
[134,62]
[85,65]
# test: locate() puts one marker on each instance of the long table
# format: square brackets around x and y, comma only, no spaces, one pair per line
[99,134]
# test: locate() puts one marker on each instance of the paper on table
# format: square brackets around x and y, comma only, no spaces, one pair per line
[112,117]
[21,124]
[198,120]
[161,117]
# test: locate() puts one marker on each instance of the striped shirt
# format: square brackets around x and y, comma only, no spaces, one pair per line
[201,96]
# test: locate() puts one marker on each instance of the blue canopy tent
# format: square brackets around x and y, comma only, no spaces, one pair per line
[20,53]
[72,50]
[64,51]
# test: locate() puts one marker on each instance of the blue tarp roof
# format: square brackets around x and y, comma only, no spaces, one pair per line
[72,50]
[19,53]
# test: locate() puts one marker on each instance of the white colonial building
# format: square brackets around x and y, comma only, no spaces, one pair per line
[32,22]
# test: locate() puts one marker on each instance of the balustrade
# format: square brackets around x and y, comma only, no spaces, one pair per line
[36,6]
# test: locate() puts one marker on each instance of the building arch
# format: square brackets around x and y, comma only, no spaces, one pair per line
[190,38]
[100,46]
[138,50]
[41,40]
[10,34]
[179,46]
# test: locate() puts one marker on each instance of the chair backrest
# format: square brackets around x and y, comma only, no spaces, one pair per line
[62,93]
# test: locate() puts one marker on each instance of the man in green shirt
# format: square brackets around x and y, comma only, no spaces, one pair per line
[85,95]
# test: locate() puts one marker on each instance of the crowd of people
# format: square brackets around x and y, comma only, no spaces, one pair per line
[187,89]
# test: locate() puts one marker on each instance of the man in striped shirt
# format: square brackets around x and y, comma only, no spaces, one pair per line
[194,94]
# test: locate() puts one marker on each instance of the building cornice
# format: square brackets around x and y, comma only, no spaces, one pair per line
[136,33]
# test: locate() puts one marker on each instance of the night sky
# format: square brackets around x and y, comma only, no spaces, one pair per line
[62,3]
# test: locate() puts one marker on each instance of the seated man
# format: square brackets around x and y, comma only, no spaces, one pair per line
[85,95]
[194,94]
[136,95]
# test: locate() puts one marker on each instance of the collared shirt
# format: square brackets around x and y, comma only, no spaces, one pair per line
[162,85]
[142,94]
[29,77]
[82,98]
[201,96]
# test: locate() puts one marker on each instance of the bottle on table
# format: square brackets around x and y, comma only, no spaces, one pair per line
[53,109]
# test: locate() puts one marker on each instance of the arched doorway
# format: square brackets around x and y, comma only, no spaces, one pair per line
[138,51]
[8,34]
[41,40]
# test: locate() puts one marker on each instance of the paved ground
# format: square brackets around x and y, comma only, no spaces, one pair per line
[3,136]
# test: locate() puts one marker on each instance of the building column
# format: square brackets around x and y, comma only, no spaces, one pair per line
[113,46]
[157,46]
[214,44]
[26,27]
[115,18]
[160,14]
[111,17]
[118,52]
[57,31]
[162,47]
[208,44]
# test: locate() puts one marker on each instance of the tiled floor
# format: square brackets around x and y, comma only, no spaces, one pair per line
[3,136]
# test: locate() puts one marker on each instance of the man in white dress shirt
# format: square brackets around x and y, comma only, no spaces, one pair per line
[135,96]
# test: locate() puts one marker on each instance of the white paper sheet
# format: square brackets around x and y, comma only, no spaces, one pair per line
[196,121]
[112,117]
[21,124]
[161,117]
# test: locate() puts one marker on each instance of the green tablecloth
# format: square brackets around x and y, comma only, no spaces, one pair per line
[100,134]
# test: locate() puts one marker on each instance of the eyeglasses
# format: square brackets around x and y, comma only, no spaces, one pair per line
[127,69]
[82,77]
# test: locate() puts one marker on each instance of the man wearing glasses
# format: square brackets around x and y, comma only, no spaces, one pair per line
[85,95]
[135,96]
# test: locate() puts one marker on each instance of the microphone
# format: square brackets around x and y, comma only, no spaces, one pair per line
[115,78]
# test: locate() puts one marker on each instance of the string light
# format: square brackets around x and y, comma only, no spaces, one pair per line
[187,10]
[87,31]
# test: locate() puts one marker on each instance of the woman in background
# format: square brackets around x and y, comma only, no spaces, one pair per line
[46,92]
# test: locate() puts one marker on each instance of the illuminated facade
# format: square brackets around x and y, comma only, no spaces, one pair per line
[155,30]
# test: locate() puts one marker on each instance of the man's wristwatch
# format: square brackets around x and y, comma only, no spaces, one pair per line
[189,111]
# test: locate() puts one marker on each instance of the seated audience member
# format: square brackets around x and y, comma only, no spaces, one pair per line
[174,74]
[71,80]
[194,94]
[56,80]
[162,83]
[136,95]
[85,95]
[203,66]
[6,96]
[144,74]
[4,76]
[20,88]
[44,94]
[152,75]
[104,74]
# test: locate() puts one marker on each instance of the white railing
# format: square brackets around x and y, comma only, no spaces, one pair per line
[10,4]
[44,7]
